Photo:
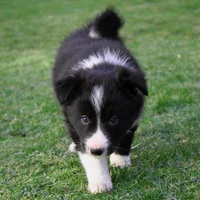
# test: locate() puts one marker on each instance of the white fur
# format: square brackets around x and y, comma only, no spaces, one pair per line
[96,169]
[97,141]
[93,33]
[72,147]
[105,56]
[117,160]
[97,97]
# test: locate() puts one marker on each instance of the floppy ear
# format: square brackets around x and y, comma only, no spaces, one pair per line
[63,88]
[132,79]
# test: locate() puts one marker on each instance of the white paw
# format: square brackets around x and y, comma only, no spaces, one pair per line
[117,160]
[72,147]
[98,176]
[100,187]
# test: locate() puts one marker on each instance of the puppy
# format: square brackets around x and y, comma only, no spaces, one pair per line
[101,92]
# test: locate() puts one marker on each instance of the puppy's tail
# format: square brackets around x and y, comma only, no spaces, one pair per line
[106,25]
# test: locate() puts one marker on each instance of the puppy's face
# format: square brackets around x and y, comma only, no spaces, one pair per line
[102,111]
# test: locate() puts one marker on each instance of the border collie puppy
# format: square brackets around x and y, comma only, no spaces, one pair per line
[101,92]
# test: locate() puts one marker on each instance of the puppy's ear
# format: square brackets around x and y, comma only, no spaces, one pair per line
[131,80]
[64,88]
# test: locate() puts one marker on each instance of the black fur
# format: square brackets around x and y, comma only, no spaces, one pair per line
[107,24]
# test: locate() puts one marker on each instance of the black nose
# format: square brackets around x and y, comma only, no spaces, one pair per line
[96,152]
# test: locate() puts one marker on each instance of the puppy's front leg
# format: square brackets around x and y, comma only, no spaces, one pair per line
[96,169]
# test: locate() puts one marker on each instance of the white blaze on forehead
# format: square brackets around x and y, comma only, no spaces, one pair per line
[98,140]
[107,55]
[97,97]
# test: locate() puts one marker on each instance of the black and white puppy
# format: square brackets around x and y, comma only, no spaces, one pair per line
[101,91]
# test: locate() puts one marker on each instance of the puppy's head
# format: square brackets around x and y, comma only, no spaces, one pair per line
[102,105]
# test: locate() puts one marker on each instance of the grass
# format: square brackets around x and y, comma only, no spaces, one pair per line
[34,158]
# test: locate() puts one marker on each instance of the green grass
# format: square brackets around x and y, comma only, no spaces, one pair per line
[34,158]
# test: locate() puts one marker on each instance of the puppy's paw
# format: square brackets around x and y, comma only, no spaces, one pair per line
[100,187]
[72,147]
[117,160]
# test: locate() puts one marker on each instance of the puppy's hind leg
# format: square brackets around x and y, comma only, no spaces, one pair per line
[72,147]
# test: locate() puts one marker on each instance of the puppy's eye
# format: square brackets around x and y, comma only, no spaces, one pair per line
[85,120]
[113,120]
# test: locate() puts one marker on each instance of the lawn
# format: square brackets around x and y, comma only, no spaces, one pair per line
[34,159]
